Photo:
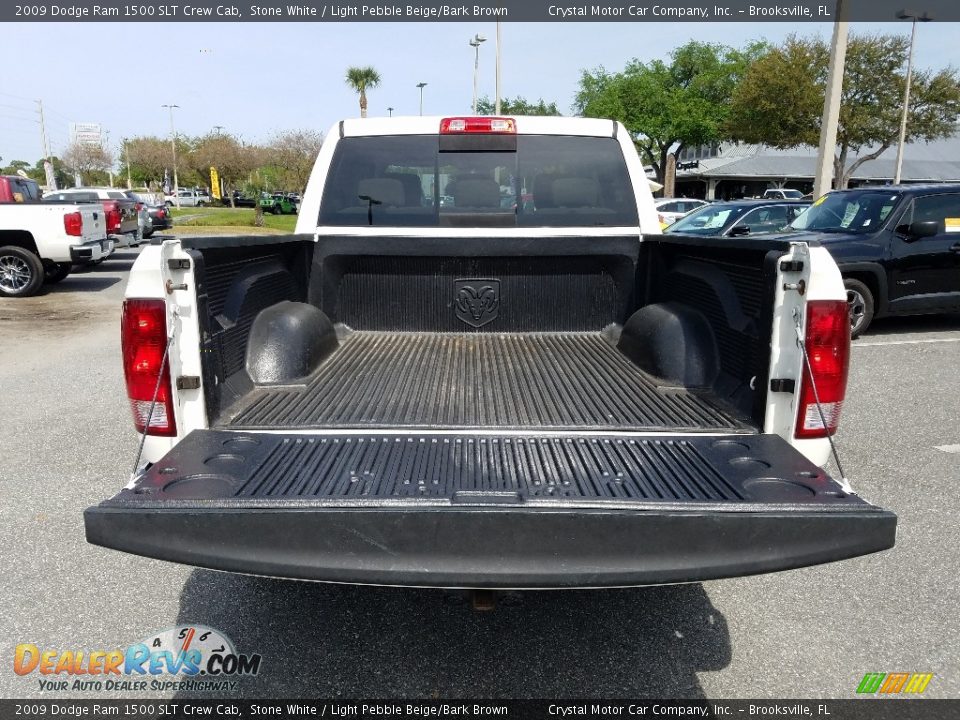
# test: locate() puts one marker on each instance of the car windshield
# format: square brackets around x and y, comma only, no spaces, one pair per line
[417,180]
[848,211]
[708,220]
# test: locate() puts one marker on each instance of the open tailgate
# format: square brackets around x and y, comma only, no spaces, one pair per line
[448,509]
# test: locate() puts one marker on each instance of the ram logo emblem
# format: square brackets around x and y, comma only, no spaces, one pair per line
[478,301]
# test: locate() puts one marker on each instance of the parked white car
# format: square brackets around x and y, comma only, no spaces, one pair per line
[188,197]
[669,210]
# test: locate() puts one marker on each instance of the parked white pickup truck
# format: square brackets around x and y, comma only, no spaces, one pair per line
[523,385]
[40,243]
[188,197]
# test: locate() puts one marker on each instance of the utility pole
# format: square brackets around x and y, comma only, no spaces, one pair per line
[47,162]
[126,154]
[496,110]
[831,106]
[173,147]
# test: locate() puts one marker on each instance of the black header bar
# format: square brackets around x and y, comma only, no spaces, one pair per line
[469,10]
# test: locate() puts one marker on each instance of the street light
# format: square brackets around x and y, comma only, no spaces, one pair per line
[475,44]
[421,85]
[914,17]
[173,147]
[390,110]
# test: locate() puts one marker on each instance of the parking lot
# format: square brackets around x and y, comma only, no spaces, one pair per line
[68,442]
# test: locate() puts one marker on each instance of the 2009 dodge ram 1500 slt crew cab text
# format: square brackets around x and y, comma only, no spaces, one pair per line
[523,386]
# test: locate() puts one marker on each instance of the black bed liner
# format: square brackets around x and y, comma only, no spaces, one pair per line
[502,380]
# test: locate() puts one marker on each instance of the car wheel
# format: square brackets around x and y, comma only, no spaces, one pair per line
[54,272]
[276,209]
[200,203]
[861,305]
[169,203]
[21,272]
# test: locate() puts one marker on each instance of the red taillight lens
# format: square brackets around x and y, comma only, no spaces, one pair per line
[478,125]
[139,206]
[143,336]
[112,214]
[828,347]
[73,224]
[161,213]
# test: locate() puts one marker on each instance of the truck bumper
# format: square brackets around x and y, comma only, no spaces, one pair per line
[91,251]
[483,512]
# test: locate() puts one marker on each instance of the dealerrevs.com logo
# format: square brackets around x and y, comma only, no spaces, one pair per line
[187,657]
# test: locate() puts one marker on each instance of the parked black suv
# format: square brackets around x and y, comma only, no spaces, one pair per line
[898,247]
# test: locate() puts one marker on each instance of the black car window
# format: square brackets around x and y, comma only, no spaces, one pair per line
[943,209]
[28,190]
[708,220]
[855,211]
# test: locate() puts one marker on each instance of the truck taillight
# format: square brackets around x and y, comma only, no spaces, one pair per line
[143,336]
[478,125]
[828,347]
[73,224]
[112,214]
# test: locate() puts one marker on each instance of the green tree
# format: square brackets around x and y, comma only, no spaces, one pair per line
[291,155]
[150,157]
[780,101]
[361,78]
[668,106]
[234,160]
[89,162]
[517,106]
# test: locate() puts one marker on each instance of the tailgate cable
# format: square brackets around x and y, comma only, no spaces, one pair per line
[844,483]
[156,392]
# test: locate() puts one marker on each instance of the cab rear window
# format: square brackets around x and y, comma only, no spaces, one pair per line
[548,181]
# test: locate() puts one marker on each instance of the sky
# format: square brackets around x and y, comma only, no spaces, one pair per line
[257,79]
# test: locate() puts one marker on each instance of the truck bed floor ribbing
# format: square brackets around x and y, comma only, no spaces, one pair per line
[445,380]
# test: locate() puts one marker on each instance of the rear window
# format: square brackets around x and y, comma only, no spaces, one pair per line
[549,181]
[70,197]
[117,196]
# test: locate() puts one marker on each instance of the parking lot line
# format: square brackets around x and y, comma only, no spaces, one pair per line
[906,342]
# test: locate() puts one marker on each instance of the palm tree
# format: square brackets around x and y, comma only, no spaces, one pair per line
[361,78]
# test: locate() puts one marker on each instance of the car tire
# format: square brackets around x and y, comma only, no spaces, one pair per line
[200,203]
[861,304]
[54,272]
[21,272]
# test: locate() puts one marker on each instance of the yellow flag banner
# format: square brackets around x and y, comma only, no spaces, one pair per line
[214,183]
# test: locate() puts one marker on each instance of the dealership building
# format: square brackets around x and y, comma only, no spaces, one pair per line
[728,170]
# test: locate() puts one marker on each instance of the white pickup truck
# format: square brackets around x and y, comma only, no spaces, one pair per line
[525,385]
[40,243]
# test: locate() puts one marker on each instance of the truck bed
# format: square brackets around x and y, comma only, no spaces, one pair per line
[509,380]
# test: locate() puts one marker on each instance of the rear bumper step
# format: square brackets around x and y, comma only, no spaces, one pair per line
[442,510]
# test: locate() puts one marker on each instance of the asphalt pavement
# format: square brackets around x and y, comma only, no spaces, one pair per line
[67,441]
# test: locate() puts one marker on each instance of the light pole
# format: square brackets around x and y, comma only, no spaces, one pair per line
[421,85]
[475,44]
[173,147]
[914,17]
[390,110]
